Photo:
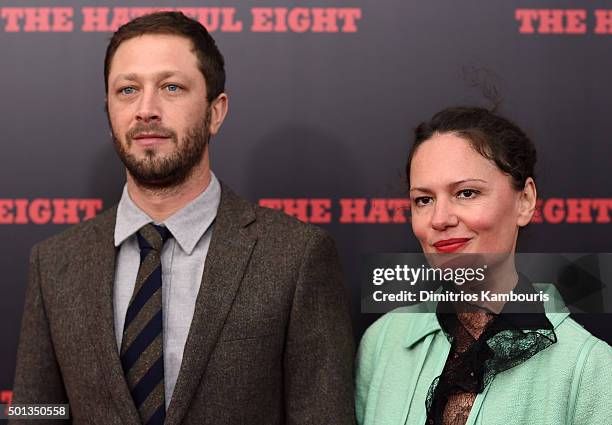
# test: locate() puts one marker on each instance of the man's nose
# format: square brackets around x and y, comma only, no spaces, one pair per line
[149,108]
[443,215]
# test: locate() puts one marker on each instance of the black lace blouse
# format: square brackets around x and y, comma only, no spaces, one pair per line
[508,339]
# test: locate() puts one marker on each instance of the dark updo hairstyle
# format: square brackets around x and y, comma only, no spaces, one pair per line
[491,135]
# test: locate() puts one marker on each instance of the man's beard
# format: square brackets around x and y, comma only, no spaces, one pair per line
[157,172]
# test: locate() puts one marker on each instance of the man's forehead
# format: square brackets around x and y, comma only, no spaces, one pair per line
[155,56]
[158,75]
[150,50]
[156,39]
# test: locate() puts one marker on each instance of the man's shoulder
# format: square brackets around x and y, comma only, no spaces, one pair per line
[280,231]
[274,224]
[278,221]
[79,234]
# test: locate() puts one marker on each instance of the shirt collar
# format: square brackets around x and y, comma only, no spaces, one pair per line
[424,324]
[512,315]
[186,225]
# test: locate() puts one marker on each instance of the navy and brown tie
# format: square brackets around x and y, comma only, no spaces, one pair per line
[142,344]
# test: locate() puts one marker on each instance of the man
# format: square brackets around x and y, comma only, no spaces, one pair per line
[185,304]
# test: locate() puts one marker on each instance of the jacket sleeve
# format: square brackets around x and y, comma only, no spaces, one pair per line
[365,365]
[319,347]
[37,377]
[593,404]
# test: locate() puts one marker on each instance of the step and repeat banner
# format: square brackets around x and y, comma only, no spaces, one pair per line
[324,97]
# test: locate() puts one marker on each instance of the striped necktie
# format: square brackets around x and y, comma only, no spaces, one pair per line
[142,344]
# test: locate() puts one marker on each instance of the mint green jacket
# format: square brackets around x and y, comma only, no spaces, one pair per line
[399,356]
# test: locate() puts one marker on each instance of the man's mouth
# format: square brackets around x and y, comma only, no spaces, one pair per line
[150,139]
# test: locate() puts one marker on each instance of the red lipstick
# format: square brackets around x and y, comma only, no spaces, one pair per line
[450,245]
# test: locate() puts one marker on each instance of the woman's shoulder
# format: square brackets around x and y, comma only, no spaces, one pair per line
[578,358]
[572,338]
[385,339]
[574,342]
[400,326]
[589,359]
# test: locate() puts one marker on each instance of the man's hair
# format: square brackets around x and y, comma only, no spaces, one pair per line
[210,60]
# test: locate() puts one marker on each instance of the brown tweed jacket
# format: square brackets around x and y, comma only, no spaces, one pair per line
[270,341]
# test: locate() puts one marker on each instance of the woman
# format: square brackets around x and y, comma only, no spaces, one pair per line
[471,185]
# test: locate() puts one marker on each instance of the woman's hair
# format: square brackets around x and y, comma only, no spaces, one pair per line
[491,135]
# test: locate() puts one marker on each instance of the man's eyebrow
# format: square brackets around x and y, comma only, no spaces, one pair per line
[454,184]
[162,75]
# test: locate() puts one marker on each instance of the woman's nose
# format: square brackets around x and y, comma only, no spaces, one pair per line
[443,215]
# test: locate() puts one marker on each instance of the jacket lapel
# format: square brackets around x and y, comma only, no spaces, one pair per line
[228,255]
[99,270]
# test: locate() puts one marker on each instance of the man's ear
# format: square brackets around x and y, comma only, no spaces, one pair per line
[218,111]
[527,202]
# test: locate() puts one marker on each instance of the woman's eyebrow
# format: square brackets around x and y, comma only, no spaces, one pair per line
[459,182]
[453,184]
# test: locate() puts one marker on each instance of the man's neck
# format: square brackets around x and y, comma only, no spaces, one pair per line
[160,204]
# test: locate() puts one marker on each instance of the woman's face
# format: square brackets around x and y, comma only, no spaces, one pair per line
[461,201]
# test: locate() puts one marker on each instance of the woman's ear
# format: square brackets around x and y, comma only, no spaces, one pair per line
[527,202]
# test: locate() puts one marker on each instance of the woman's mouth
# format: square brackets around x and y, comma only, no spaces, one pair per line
[450,245]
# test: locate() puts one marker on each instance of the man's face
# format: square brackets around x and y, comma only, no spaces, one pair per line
[157,109]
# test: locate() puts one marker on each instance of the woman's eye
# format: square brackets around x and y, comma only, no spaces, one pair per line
[422,201]
[467,193]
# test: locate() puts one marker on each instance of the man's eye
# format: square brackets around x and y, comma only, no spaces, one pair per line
[172,88]
[127,90]
[467,193]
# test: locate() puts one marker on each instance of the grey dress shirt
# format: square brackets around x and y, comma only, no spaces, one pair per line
[182,259]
